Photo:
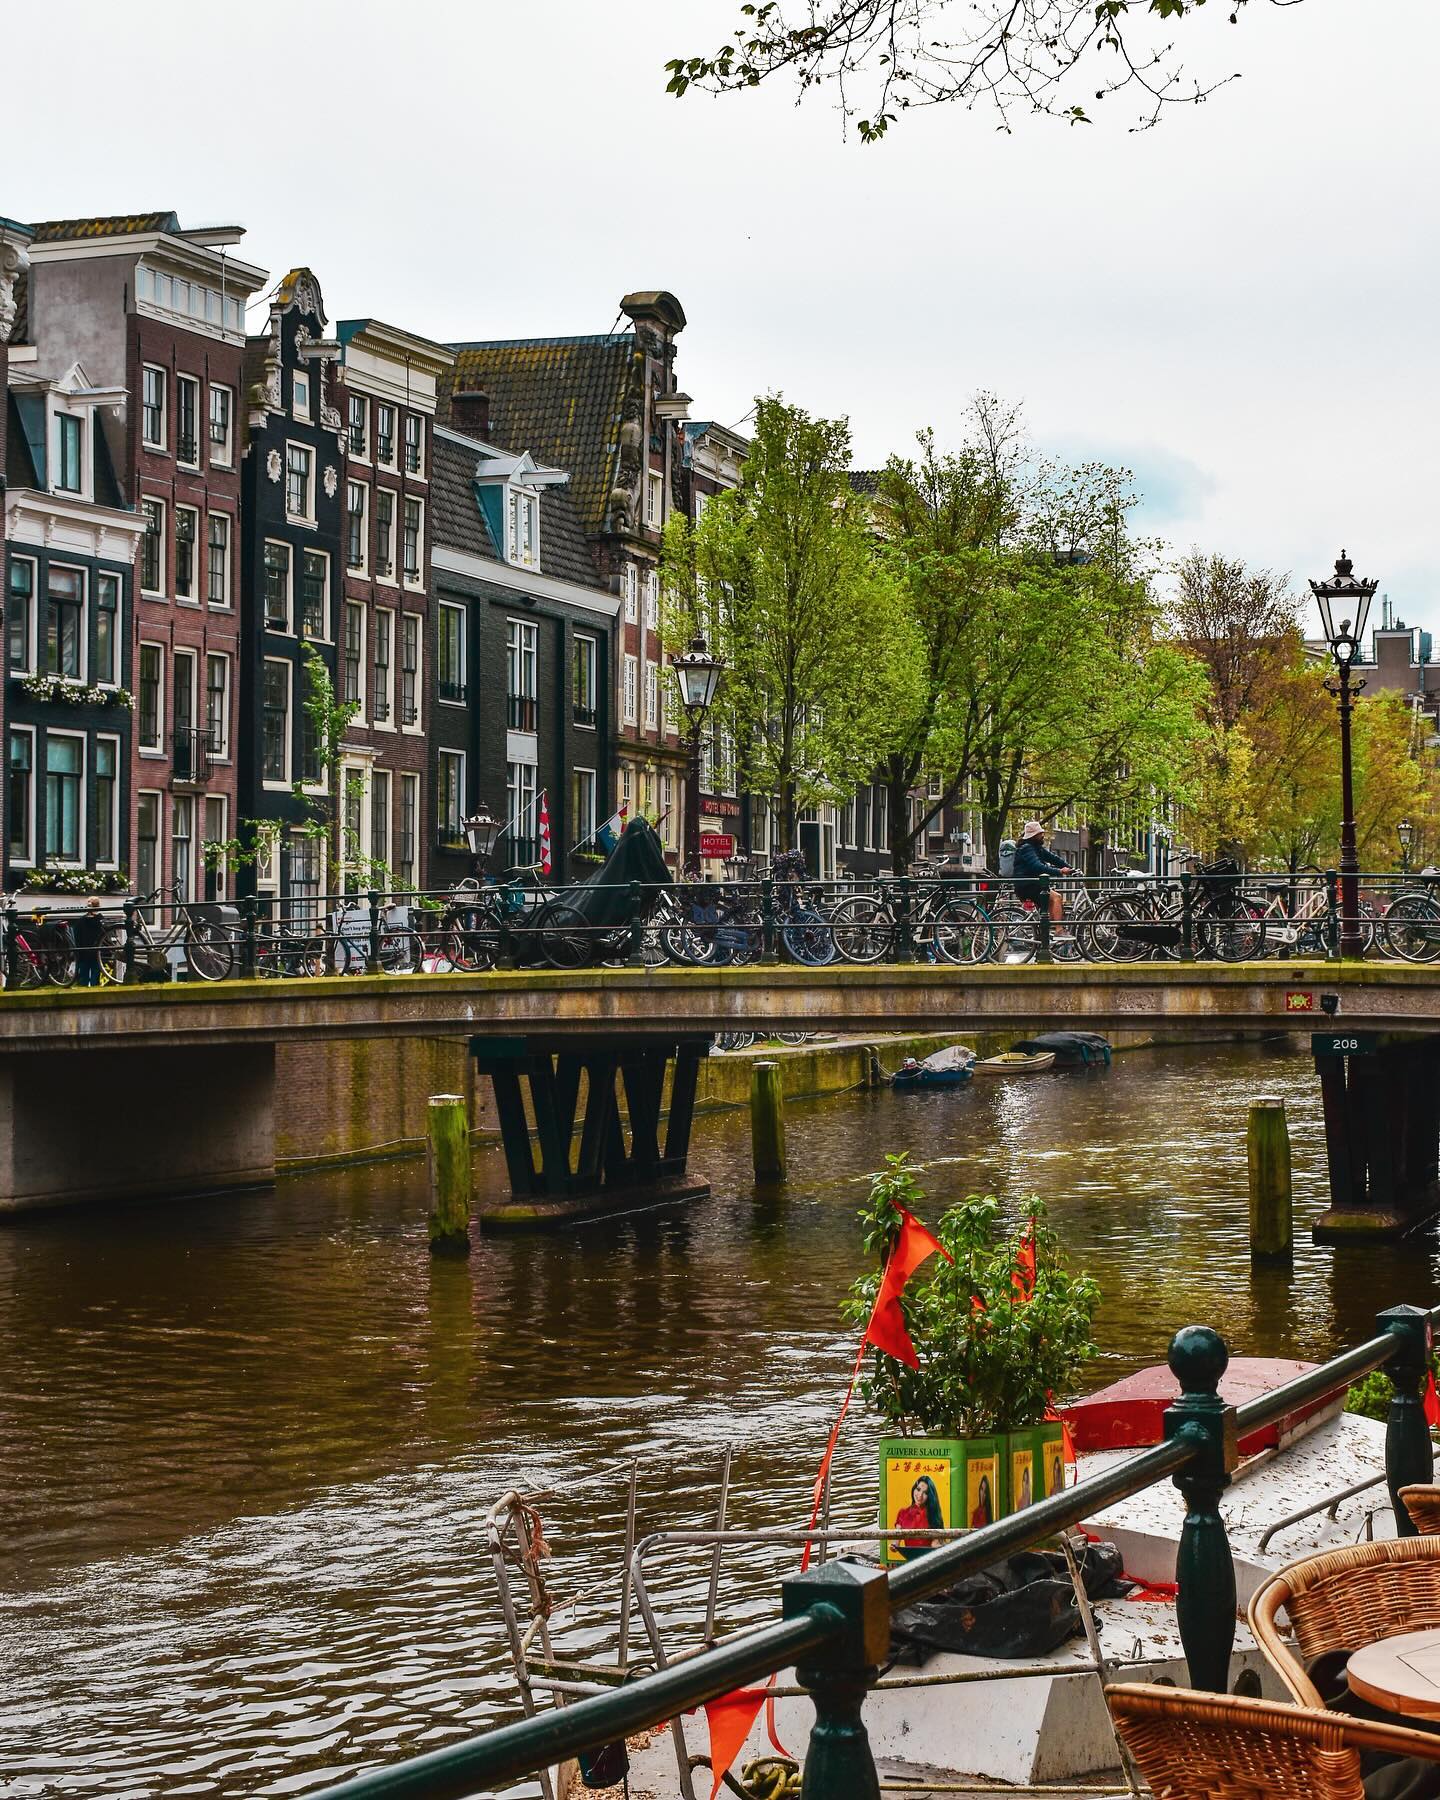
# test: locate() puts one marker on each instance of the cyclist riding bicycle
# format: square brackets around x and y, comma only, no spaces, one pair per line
[1033,863]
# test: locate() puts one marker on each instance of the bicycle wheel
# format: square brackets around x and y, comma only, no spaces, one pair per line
[1411,928]
[401,952]
[1239,936]
[1113,931]
[1016,936]
[808,939]
[564,936]
[793,1038]
[961,932]
[58,959]
[112,955]
[862,929]
[208,950]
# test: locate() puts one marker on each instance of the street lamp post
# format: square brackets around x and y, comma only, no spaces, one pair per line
[698,671]
[1342,599]
[1405,831]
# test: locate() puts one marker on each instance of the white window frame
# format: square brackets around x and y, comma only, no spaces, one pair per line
[182,806]
[27,861]
[160,445]
[388,696]
[385,541]
[407,420]
[654,499]
[449,607]
[522,547]
[415,583]
[652,599]
[117,613]
[289,549]
[323,636]
[83,490]
[348,609]
[629,693]
[274,784]
[630,588]
[360,402]
[307,517]
[52,859]
[455,757]
[417,725]
[222,754]
[652,695]
[381,778]
[157,749]
[588,648]
[82,679]
[304,412]
[362,488]
[227,603]
[149,500]
[408,872]
[197,567]
[584,778]
[222,450]
[391,462]
[106,737]
[202,424]
[219,869]
[32,630]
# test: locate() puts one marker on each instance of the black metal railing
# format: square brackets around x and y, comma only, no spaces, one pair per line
[835,1619]
[451,688]
[190,755]
[521,712]
[581,714]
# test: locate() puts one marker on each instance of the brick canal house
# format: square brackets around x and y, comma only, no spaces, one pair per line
[70,541]
[605,409]
[293,462]
[516,590]
[390,383]
[157,313]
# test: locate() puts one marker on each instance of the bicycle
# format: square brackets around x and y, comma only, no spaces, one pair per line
[43,951]
[208,949]
[1410,925]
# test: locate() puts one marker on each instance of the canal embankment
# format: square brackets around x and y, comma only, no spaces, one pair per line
[365,1100]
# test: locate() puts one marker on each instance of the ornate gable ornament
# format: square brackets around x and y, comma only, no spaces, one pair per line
[300,292]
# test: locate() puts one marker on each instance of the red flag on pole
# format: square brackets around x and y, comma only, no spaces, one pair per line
[886,1330]
[544,835]
[730,1718]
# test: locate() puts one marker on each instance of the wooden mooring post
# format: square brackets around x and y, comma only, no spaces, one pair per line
[1267,1142]
[448,1133]
[767,1121]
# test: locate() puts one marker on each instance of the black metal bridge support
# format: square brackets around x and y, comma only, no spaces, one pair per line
[1382,1133]
[618,1164]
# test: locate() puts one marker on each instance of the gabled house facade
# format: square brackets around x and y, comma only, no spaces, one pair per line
[290,598]
[390,382]
[156,314]
[522,660]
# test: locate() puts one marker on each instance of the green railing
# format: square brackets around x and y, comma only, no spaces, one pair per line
[835,1619]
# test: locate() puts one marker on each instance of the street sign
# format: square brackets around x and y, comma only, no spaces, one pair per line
[1343,1043]
[717,843]
[1299,1000]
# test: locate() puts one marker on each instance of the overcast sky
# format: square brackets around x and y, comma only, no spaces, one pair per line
[1240,305]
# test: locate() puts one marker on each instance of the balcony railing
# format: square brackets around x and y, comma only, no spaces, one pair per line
[357,440]
[385,449]
[581,714]
[451,690]
[412,459]
[190,756]
[521,712]
[520,852]
[187,448]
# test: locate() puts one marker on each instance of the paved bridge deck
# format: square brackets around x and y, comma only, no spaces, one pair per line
[1205,998]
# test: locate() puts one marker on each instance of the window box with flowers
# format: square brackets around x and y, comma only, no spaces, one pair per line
[74,693]
[76,881]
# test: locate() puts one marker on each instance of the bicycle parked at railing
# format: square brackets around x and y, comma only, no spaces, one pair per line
[207,948]
[1148,921]
[1410,925]
[42,951]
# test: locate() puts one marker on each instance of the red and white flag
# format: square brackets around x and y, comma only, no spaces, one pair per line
[544,835]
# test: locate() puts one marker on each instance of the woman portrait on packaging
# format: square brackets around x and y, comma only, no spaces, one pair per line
[922,1513]
[984,1513]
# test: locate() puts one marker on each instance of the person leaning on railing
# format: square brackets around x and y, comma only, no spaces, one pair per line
[1033,865]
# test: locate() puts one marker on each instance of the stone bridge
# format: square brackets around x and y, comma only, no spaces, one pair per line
[158,1088]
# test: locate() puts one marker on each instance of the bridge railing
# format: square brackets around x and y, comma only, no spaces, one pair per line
[835,1619]
[935,917]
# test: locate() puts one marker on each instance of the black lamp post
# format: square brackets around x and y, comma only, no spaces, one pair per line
[480,833]
[698,672]
[1405,831]
[1342,599]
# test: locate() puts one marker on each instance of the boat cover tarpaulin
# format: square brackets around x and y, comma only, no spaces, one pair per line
[1072,1048]
[943,1062]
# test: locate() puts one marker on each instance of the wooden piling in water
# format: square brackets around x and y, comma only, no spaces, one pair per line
[767,1121]
[1267,1141]
[448,1155]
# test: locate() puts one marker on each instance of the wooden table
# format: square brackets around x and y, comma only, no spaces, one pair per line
[1401,1674]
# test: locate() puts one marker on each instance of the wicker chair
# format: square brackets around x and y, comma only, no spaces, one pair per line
[1191,1746]
[1422,1502]
[1343,1600]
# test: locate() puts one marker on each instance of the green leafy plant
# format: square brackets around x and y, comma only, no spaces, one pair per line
[1370,1397]
[989,1360]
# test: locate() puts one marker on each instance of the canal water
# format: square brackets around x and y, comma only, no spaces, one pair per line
[247,1447]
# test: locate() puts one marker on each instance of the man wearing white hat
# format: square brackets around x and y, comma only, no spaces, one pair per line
[1033,863]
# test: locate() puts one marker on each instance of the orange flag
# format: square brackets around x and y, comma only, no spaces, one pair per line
[1022,1282]
[730,1718]
[886,1330]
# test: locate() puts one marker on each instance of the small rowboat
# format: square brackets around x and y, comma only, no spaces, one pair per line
[1015,1062]
[947,1068]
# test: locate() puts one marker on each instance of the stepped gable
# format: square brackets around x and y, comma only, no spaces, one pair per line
[564,400]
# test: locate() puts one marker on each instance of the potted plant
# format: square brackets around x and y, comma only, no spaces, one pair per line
[1002,1331]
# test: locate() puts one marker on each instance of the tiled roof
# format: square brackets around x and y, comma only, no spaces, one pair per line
[866,481]
[459,524]
[128,225]
[560,398]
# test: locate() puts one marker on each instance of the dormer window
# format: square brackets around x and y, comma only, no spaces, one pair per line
[69,454]
[523,532]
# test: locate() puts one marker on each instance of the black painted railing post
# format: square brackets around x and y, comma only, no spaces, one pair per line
[1187,916]
[372,955]
[1204,1567]
[635,959]
[906,921]
[1408,1456]
[1042,953]
[839,1764]
[767,920]
[1332,915]
[127,957]
[249,908]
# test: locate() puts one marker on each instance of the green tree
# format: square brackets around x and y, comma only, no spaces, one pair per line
[879,58]
[783,575]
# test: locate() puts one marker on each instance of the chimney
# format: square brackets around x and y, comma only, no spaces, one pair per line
[470,412]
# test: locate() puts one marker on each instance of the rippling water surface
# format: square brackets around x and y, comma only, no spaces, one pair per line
[247,1447]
